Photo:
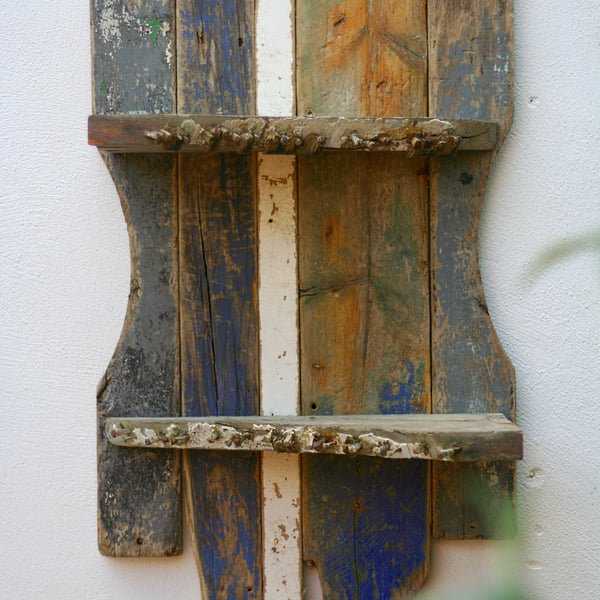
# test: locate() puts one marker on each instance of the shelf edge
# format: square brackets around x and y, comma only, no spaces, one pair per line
[456,438]
[414,136]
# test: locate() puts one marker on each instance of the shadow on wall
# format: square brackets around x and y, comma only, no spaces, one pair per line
[506,584]
[503,578]
[568,248]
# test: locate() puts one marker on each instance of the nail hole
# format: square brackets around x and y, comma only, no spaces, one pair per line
[314,406]
[466,178]
[240,42]
[139,541]
[339,20]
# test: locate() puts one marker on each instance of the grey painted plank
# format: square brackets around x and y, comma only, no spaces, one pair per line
[139,508]
[138,491]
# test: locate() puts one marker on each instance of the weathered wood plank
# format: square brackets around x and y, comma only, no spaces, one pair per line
[138,491]
[465,437]
[216,71]
[358,58]
[278,298]
[218,279]
[364,311]
[132,51]
[288,135]
[219,331]
[471,78]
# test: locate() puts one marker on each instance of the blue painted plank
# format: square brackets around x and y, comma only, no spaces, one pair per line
[215,57]
[368,533]
[219,307]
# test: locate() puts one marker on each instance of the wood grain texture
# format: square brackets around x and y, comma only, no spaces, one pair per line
[358,58]
[139,491]
[364,285]
[288,135]
[218,299]
[470,77]
[216,71]
[219,332]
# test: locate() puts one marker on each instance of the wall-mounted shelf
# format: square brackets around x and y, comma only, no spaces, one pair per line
[459,438]
[288,135]
[396,352]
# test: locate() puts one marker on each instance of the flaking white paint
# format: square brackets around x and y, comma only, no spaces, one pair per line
[278,304]
[64,280]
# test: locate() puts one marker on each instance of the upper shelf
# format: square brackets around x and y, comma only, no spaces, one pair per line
[288,135]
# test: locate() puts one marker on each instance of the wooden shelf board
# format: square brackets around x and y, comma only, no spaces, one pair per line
[447,437]
[288,135]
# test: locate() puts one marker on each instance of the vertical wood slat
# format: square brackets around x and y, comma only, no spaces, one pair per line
[139,491]
[278,291]
[364,286]
[279,372]
[218,299]
[470,77]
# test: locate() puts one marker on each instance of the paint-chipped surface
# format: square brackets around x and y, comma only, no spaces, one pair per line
[137,518]
[218,299]
[133,45]
[132,74]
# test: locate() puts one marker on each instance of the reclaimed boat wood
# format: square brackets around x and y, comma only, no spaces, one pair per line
[288,135]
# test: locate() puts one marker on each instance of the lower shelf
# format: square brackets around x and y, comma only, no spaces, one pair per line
[447,437]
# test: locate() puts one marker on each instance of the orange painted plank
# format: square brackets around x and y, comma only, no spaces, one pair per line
[364,287]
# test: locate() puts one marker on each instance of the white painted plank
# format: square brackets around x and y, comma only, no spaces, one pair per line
[278,304]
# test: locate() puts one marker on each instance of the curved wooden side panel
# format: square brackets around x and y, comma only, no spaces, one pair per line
[139,505]
[138,495]
[470,70]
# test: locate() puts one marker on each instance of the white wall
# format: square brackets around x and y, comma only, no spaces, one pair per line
[64,282]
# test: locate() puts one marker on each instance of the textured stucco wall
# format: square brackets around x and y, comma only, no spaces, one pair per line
[64,281]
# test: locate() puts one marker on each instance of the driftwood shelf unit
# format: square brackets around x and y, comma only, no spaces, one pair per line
[404,106]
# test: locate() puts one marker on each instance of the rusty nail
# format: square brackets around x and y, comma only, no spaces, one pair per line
[159,137]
